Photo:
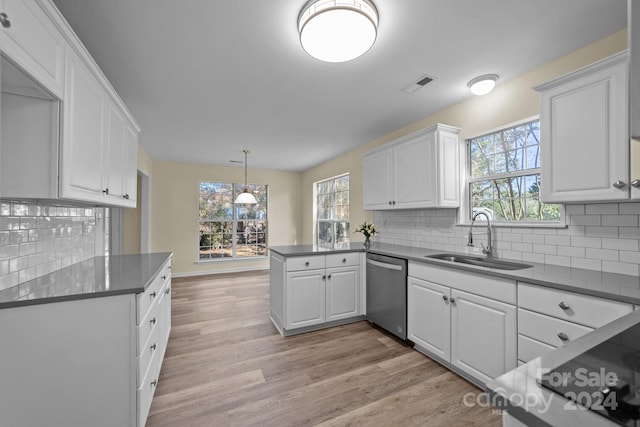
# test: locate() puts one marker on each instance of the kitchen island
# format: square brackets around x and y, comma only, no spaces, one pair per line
[84,345]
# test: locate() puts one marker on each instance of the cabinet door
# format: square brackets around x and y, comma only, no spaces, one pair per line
[82,147]
[414,167]
[342,293]
[34,43]
[305,298]
[483,335]
[377,180]
[115,153]
[130,166]
[635,168]
[448,169]
[428,319]
[585,120]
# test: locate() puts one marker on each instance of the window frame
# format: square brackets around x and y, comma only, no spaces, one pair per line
[465,214]
[237,188]
[316,221]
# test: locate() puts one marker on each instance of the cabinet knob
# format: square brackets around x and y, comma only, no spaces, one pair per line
[126,196]
[635,183]
[444,297]
[453,300]
[152,294]
[394,203]
[563,336]
[563,306]
[324,277]
[164,277]
[154,383]
[167,291]
[306,264]
[106,191]
[344,260]
[390,203]
[153,321]
[4,20]
[619,184]
[153,347]
[329,277]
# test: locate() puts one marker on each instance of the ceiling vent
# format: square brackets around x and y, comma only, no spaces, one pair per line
[422,81]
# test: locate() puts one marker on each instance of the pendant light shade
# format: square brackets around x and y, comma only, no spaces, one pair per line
[337,30]
[245,198]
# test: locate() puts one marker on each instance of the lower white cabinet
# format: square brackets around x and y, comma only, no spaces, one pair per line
[310,291]
[473,333]
[90,362]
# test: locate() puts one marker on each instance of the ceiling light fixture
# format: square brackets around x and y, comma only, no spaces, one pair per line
[337,30]
[245,198]
[483,85]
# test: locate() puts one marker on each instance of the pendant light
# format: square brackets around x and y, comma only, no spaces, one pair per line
[245,198]
[337,30]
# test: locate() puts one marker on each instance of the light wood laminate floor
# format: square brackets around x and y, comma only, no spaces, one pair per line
[226,365]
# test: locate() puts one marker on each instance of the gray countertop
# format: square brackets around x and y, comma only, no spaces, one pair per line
[97,277]
[519,393]
[618,287]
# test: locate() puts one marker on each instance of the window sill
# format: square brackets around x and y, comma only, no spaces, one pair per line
[216,260]
[557,225]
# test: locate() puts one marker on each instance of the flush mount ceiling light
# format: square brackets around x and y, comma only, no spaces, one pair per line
[245,198]
[483,85]
[337,30]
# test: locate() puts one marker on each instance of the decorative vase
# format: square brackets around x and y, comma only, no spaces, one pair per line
[367,242]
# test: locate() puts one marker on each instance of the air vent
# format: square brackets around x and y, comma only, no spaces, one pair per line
[422,81]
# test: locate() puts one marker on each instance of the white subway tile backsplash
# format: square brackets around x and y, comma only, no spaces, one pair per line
[600,236]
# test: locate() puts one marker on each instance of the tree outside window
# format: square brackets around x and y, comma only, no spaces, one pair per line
[332,210]
[228,230]
[504,176]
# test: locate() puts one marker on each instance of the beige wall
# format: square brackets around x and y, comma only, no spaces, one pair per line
[131,217]
[174,211]
[510,102]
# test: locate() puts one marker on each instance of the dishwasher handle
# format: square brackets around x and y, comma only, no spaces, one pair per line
[384,265]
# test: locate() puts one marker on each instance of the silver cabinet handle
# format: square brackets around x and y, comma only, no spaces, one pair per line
[444,297]
[153,321]
[164,277]
[453,300]
[166,291]
[344,260]
[153,347]
[125,196]
[563,306]
[152,294]
[4,20]
[106,191]
[394,203]
[329,277]
[154,383]
[389,202]
[635,183]
[563,336]
[619,184]
[324,277]
[306,264]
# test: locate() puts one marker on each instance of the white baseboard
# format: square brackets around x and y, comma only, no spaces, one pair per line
[221,271]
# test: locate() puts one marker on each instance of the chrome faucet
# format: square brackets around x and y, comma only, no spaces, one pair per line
[488,249]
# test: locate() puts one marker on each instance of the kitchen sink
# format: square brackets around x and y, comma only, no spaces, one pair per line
[481,262]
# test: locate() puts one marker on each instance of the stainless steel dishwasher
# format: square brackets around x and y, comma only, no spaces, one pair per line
[387,293]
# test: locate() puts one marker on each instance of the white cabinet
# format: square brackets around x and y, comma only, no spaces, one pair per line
[474,334]
[311,291]
[31,40]
[84,131]
[122,155]
[585,118]
[90,362]
[483,335]
[416,171]
[548,318]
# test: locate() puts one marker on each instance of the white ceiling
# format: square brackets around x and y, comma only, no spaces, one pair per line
[208,78]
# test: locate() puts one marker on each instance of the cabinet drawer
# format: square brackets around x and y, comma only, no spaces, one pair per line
[146,354]
[150,323]
[584,309]
[341,260]
[305,263]
[529,349]
[144,398]
[146,299]
[547,329]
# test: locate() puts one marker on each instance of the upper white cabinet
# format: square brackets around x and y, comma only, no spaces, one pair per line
[584,139]
[88,153]
[416,171]
[30,39]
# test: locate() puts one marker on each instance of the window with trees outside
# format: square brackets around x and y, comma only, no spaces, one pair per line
[228,230]
[332,210]
[504,176]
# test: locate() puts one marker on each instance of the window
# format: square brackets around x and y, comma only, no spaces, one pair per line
[504,176]
[228,230]
[332,210]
